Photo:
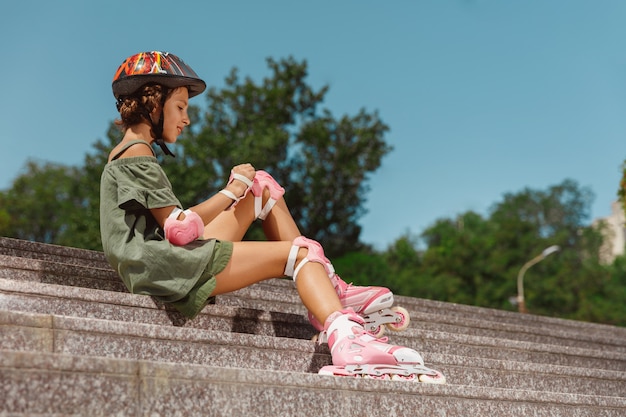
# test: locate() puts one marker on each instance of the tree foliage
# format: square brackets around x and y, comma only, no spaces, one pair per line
[55,203]
[278,125]
[38,205]
[322,162]
[475,260]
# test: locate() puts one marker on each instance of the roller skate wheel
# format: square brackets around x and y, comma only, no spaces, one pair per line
[403,320]
[433,379]
[377,331]
[412,377]
[382,377]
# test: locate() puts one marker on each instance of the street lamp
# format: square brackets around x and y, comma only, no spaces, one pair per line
[521,304]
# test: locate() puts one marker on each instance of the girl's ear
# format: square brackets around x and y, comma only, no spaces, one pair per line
[155,114]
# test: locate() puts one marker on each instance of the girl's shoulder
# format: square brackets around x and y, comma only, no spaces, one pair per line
[131,149]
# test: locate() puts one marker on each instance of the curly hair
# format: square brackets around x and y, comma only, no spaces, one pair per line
[138,106]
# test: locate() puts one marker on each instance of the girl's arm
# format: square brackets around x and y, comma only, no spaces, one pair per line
[211,208]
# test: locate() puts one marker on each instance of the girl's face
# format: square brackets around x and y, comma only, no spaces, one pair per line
[175,116]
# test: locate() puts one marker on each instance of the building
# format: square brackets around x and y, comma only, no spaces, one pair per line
[614,233]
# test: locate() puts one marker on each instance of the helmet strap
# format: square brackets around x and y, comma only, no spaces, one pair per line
[157,128]
[164,147]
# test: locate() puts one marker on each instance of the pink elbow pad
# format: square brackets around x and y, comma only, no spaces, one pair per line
[182,232]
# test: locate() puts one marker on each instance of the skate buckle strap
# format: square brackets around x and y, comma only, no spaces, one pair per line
[291,261]
[234,176]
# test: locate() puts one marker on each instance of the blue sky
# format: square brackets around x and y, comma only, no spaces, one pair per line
[483,97]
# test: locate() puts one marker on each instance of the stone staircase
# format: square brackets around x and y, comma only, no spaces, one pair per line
[73,341]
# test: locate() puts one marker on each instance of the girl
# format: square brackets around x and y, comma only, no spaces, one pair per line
[183,257]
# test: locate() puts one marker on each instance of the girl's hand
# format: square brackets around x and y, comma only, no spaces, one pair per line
[247,170]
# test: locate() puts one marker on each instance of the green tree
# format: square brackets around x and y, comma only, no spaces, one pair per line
[532,220]
[39,205]
[84,229]
[607,303]
[475,260]
[364,267]
[457,259]
[324,163]
[406,269]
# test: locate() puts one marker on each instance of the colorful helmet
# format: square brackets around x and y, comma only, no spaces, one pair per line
[155,67]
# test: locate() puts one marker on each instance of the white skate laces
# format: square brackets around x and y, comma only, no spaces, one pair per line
[356,353]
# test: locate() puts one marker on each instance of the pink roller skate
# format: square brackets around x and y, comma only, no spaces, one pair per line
[357,353]
[374,304]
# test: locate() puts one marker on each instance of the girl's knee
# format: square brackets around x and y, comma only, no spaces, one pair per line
[305,250]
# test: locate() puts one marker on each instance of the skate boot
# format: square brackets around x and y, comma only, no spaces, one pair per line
[374,304]
[357,353]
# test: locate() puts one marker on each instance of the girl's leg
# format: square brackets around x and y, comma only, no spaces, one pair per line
[253,262]
[233,224]
[279,224]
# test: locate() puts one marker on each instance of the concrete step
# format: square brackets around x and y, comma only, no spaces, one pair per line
[58,384]
[90,337]
[280,295]
[52,272]
[82,302]
[106,338]
[67,322]
[473,321]
[90,269]
[109,305]
[55,253]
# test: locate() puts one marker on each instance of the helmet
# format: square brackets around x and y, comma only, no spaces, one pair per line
[155,67]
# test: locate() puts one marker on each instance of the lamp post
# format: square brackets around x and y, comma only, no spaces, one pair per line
[521,303]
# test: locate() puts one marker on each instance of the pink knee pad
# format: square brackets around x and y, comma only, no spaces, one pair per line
[315,254]
[182,232]
[261,181]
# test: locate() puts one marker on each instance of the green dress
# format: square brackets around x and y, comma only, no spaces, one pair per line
[134,242]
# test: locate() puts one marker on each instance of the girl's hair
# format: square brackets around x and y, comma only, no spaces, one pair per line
[138,106]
